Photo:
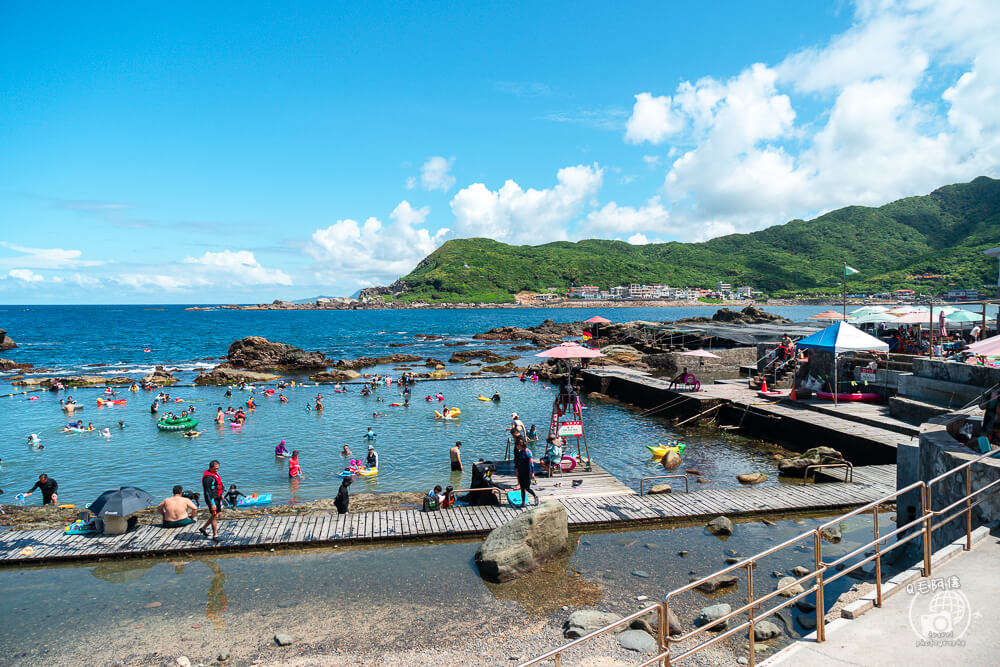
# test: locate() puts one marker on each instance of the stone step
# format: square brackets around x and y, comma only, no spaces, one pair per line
[914,410]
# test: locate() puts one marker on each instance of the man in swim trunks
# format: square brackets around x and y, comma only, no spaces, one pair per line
[48,487]
[211,484]
[177,510]
[456,456]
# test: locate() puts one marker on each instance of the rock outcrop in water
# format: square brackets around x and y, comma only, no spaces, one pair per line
[5,341]
[159,377]
[260,354]
[227,375]
[524,543]
[546,334]
[749,315]
[11,365]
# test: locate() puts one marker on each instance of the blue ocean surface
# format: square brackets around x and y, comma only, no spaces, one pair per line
[412,444]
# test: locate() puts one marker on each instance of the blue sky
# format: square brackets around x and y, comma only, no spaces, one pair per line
[249,151]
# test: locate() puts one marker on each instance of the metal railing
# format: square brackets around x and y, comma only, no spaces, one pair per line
[822,574]
[687,485]
[846,465]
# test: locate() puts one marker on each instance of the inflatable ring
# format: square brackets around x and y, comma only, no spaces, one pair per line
[567,461]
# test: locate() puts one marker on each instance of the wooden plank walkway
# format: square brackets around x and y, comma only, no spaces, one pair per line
[594,482]
[49,545]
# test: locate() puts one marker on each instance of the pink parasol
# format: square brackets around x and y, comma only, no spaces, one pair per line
[570,351]
[700,353]
[597,319]
[912,318]
[828,315]
[987,348]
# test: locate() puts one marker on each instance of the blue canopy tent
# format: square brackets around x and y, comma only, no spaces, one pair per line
[839,338]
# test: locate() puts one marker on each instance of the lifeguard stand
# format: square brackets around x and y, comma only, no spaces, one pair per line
[567,421]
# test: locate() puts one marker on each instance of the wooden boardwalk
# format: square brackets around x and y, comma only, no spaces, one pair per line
[50,545]
[595,482]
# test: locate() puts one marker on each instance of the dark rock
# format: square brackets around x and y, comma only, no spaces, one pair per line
[709,615]
[807,621]
[336,375]
[258,353]
[767,523]
[800,571]
[720,525]
[831,534]
[6,343]
[224,374]
[810,457]
[10,365]
[490,357]
[642,574]
[398,359]
[716,583]
[805,605]
[356,364]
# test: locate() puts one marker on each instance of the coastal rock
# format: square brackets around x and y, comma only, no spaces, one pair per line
[10,365]
[671,460]
[422,336]
[500,368]
[637,640]
[356,364]
[807,621]
[716,583]
[523,543]
[159,377]
[258,353]
[650,623]
[336,375]
[709,615]
[281,639]
[720,525]
[752,478]
[226,375]
[810,457]
[765,630]
[660,488]
[791,592]
[831,534]
[398,359]
[490,357]
[6,343]
[584,621]
[800,571]
[440,374]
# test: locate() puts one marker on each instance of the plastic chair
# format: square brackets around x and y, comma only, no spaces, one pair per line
[985,447]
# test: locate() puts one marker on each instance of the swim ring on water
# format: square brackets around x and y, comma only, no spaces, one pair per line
[177,424]
[454,412]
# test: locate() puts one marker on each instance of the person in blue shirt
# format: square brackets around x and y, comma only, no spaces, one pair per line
[525,468]
[370,434]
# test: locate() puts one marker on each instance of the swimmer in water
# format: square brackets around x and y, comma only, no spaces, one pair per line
[346,451]
[281,450]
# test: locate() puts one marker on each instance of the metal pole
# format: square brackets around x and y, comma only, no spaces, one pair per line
[818,567]
[925,492]
[878,561]
[932,329]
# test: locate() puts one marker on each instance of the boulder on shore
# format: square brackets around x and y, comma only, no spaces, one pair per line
[10,365]
[660,488]
[336,375]
[810,457]
[159,377]
[584,621]
[258,353]
[709,615]
[671,460]
[752,478]
[225,374]
[523,543]
[716,583]
[720,525]
[6,343]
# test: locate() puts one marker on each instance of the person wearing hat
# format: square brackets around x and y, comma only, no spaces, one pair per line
[281,450]
[372,459]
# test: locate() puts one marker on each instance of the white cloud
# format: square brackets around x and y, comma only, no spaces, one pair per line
[46,258]
[907,101]
[651,160]
[25,275]
[652,120]
[150,282]
[370,252]
[237,268]
[615,220]
[514,215]
[411,182]
[638,239]
[435,174]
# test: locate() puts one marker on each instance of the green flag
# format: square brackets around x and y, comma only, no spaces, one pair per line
[849,271]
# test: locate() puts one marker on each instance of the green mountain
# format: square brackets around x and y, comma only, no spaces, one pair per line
[943,234]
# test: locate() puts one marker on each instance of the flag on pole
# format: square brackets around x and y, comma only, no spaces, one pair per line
[849,271]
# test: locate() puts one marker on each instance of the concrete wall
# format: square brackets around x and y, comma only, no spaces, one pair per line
[942,392]
[728,364]
[950,371]
[940,452]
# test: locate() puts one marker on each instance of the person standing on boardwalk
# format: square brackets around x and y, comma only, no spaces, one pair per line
[211,484]
[456,456]
[48,487]
[525,469]
[343,498]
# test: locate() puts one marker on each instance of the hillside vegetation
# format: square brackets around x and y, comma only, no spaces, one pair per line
[944,233]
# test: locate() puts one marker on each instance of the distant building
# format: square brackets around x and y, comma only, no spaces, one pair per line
[584,292]
[963,294]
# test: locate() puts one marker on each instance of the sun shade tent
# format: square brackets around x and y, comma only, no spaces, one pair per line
[986,348]
[838,339]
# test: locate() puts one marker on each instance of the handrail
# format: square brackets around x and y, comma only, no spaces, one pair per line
[823,572]
[556,653]
[687,486]
[846,465]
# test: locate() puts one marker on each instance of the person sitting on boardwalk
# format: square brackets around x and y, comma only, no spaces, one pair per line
[177,510]
[448,500]
[432,501]
[680,379]
[343,498]
[553,455]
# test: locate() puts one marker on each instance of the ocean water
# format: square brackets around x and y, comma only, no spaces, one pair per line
[412,444]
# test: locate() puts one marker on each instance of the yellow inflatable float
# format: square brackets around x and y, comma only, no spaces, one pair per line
[452,413]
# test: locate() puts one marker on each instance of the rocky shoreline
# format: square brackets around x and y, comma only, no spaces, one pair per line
[350,304]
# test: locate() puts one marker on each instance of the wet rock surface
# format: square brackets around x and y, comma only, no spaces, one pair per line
[258,353]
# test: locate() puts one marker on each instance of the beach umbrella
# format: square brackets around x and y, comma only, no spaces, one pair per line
[923,317]
[986,348]
[121,502]
[867,310]
[828,315]
[570,350]
[873,318]
[597,319]
[701,354]
[960,315]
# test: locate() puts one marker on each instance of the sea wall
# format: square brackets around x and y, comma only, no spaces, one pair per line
[940,452]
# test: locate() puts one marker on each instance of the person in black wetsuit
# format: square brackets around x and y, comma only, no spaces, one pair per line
[48,487]
[525,469]
[154,408]
[343,498]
